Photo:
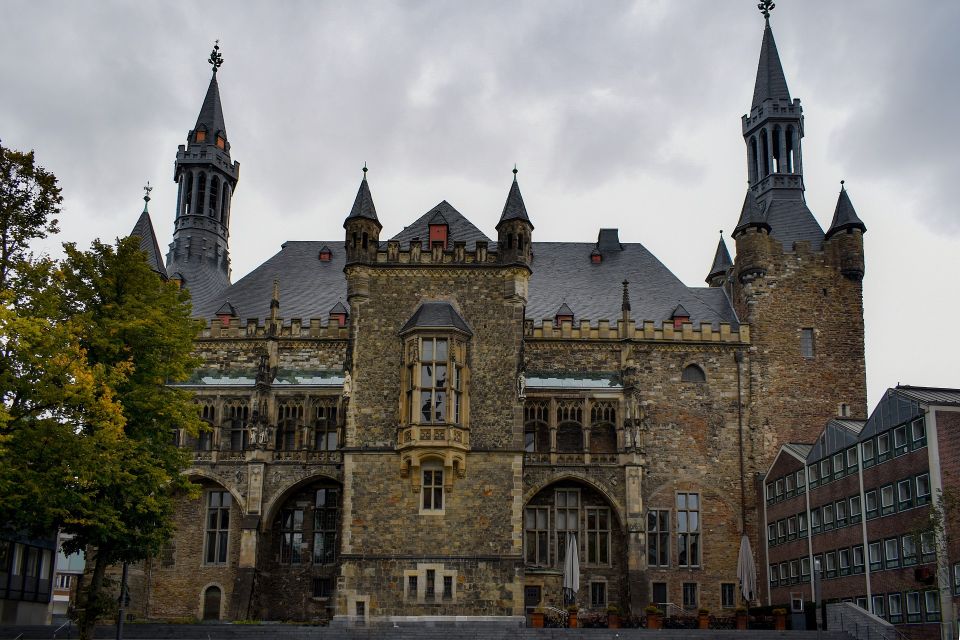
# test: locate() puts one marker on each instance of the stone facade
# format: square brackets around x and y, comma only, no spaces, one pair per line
[415,438]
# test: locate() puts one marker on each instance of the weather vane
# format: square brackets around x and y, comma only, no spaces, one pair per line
[766,7]
[146,195]
[215,58]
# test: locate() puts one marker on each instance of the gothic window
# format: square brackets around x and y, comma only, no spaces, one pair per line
[204,439]
[291,536]
[237,415]
[688,529]
[325,426]
[598,535]
[603,432]
[790,159]
[658,538]
[201,192]
[187,192]
[765,151]
[567,518]
[570,429]
[693,373]
[753,159]
[217,527]
[777,140]
[214,192]
[535,426]
[223,203]
[432,487]
[326,515]
[289,418]
[536,538]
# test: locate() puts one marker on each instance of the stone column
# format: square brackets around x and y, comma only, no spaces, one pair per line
[636,538]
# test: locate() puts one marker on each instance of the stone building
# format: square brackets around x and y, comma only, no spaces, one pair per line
[410,426]
[872,503]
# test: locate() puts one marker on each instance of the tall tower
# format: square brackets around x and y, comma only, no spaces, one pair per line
[514,230]
[199,255]
[799,288]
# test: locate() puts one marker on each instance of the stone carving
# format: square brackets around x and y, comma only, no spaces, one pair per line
[347,385]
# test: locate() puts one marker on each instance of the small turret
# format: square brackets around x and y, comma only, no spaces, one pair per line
[514,231]
[753,240]
[845,237]
[721,264]
[362,226]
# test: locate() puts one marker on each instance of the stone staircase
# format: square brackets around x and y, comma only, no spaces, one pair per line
[409,631]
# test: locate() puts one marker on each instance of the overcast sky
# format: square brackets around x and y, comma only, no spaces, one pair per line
[619,114]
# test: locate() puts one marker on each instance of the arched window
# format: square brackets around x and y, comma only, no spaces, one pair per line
[289,418]
[536,435]
[325,426]
[214,192]
[570,426]
[187,192]
[603,431]
[236,417]
[693,373]
[201,192]
[790,159]
[754,170]
[306,526]
[223,203]
[204,440]
[777,141]
[765,150]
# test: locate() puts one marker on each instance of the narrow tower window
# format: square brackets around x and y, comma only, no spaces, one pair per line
[806,343]
[214,192]
[765,150]
[201,191]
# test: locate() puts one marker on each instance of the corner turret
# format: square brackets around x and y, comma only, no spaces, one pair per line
[514,231]
[721,265]
[362,226]
[752,236]
[845,237]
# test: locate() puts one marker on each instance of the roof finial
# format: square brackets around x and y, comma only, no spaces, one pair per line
[842,188]
[515,171]
[215,58]
[146,195]
[766,6]
[721,234]
[364,169]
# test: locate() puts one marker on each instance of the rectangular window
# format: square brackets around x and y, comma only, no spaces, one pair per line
[801,481]
[688,529]
[825,476]
[908,544]
[728,598]
[858,559]
[839,468]
[923,489]
[430,592]
[291,536]
[851,459]
[913,606]
[904,494]
[831,557]
[322,587]
[326,520]
[598,595]
[878,609]
[217,527]
[819,567]
[781,531]
[828,519]
[873,506]
[956,579]
[867,451]
[774,575]
[802,525]
[772,533]
[806,343]
[794,571]
[812,475]
[876,556]
[448,587]
[598,535]
[779,488]
[325,428]
[566,519]
[815,520]
[792,528]
[883,447]
[886,500]
[432,489]
[844,558]
[891,553]
[928,547]
[931,606]
[841,509]
[412,587]
[433,380]
[805,569]
[658,538]
[536,537]
[690,599]
[895,603]
[784,574]
[770,493]
[918,433]
[788,485]
[855,513]
[901,446]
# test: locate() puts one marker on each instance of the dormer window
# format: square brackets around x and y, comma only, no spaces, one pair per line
[221,142]
[680,316]
[200,136]
[338,315]
[596,257]
[564,314]
[325,254]
[439,231]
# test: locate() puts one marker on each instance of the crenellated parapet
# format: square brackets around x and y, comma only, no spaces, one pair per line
[631,330]
[314,328]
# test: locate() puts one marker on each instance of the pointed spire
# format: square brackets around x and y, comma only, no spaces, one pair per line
[721,260]
[751,215]
[513,208]
[148,239]
[771,82]
[844,216]
[363,203]
[211,112]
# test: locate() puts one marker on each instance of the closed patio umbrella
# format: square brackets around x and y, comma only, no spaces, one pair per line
[571,570]
[747,570]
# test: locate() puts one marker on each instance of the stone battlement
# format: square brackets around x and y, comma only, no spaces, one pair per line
[605,330]
[295,328]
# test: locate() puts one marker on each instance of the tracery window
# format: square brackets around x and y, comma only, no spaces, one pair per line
[204,440]
[570,426]
[289,418]
[237,416]
[536,429]
[603,431]
[325,436]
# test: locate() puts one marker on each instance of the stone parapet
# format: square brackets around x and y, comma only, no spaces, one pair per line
[295,328]
[646,331]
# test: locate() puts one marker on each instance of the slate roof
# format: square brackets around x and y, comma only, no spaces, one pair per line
[563,271]
[844,216]
[458,228]
[721,261]
[791,221]
[309,287]
[204,281]
[211,112]
[148,243]
[513,208]
[752,214]
[564,310]
[896,407]
[436,315]
[930,395]
[798,449]
[771,82]
[363,203]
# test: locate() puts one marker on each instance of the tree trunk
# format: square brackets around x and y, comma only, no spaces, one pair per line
[92,600]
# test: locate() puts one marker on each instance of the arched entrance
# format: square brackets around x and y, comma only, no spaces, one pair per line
[211,603]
